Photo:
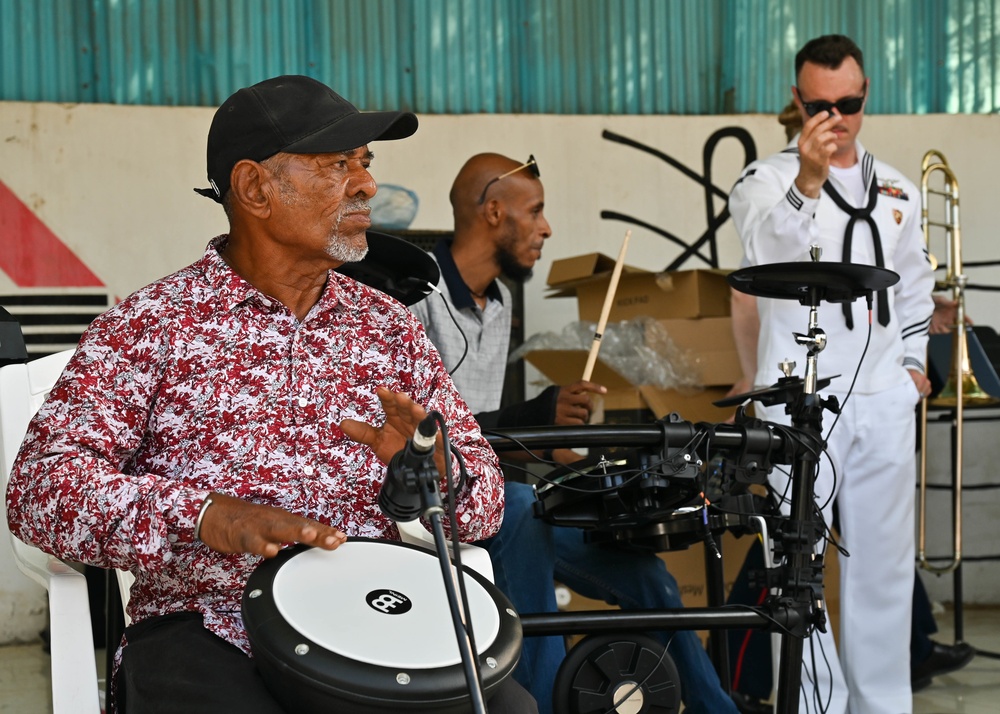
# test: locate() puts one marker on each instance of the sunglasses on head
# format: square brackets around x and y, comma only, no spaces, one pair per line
[530,164]
[846,106]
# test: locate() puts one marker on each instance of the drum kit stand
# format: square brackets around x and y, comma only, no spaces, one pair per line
[644,510]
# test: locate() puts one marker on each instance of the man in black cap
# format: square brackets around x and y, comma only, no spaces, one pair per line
[244,403]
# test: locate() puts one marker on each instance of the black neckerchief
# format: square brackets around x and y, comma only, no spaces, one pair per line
[864,214]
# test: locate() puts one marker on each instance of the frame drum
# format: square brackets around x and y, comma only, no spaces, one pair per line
[366,628]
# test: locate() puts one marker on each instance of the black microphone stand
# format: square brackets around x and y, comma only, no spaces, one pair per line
[423,480]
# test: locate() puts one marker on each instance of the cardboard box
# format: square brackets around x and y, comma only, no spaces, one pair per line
[566,273]
[709,346]
[678,294]
[694,405]
[681,294]
[566,366]
[688,567]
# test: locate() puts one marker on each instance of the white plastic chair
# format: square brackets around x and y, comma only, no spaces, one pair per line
[23,388]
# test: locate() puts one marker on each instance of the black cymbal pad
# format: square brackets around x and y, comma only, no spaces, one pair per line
[808,282]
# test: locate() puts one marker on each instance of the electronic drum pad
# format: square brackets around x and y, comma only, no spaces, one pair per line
[812,282]
[367,629]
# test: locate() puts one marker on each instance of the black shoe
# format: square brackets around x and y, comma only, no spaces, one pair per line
[941,660]
[747,704]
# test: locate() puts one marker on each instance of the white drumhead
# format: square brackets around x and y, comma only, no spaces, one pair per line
[379,603]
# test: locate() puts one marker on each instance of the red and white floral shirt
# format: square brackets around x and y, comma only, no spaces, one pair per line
[198,383]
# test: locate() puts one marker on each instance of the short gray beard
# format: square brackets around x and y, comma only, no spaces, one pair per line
[339,249]
[346,253]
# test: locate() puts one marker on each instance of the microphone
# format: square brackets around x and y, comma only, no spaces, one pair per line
[400,498]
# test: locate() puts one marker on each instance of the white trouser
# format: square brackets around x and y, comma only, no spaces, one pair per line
[872,475]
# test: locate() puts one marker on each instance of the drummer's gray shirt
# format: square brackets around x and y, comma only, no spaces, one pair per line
[480,376]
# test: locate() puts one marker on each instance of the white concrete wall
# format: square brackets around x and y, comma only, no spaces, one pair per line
[114,183]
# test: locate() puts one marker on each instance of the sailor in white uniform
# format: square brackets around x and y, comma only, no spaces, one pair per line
[825,189]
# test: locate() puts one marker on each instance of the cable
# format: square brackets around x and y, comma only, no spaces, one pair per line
[857,371]
[741,655]
[821,706]
[833,473]
[636,687]
[631,474]
[770,618]
[465,340]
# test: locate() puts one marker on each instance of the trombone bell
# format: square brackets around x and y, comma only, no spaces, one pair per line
[971,394]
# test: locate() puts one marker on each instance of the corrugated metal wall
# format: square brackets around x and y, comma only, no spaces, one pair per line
[923,56]
[497,56]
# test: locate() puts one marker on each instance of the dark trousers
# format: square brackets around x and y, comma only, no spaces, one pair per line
[172,664]
[924,625]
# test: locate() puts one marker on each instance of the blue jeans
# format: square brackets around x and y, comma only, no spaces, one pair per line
[528,554]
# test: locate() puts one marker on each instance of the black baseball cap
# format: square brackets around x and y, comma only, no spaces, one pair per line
[293,114]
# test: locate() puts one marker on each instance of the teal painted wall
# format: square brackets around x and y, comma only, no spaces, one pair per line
[497,56]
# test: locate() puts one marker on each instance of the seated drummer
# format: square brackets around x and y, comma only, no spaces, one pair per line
[246,402]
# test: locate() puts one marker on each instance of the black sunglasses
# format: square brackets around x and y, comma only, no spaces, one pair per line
[846,106]
[530,164]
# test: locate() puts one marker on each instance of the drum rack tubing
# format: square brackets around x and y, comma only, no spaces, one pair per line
[587,622]
[621,435]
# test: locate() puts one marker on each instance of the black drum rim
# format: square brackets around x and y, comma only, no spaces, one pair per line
[371,687]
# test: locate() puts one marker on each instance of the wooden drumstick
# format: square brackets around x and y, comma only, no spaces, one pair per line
[609,298]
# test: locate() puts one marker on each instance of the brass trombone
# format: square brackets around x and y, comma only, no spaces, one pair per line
[962,388]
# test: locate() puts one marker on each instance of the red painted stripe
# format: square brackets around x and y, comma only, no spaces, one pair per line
[32,255]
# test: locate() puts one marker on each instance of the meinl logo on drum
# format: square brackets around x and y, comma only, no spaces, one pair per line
[388,602]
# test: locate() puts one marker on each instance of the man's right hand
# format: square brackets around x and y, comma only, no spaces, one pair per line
[232,525]
[817,144]
[573,405]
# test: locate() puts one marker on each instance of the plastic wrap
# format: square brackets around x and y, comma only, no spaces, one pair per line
[640,350]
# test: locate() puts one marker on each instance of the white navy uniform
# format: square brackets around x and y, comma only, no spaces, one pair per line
[872,446]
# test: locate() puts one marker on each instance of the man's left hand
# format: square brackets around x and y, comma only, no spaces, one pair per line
[923,384]
[402,415]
